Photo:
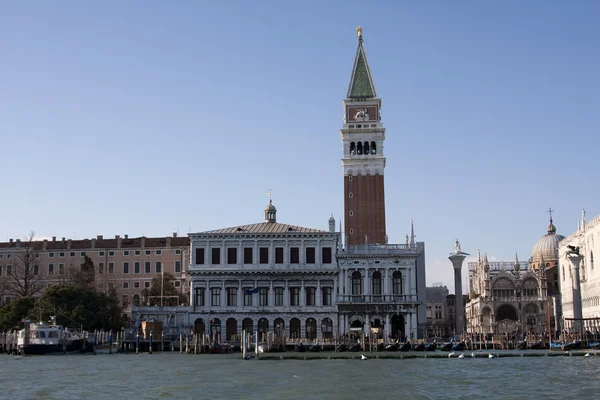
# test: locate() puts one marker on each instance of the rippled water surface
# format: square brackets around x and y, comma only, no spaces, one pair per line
[177,376]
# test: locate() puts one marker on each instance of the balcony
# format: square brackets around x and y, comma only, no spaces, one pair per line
[376,299]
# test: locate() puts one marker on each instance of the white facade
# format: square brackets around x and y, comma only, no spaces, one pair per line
[587,238]
[264,277]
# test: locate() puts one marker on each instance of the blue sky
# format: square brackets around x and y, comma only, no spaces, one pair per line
[149,117]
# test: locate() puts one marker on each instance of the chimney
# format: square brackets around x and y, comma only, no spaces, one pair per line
[93,243]
[118,241]
[18,242]
[69,243]
[143,242]
[126,236]
[45,245]
[63,238]
[174,234]
[168,241]
[99,237]
[54,238]
[11,240]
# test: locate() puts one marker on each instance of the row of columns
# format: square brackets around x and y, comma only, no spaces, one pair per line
[408,286]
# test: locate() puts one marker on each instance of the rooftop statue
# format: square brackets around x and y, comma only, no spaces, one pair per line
[359,31]
[457,246]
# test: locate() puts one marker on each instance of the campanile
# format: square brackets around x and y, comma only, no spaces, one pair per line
[363,162]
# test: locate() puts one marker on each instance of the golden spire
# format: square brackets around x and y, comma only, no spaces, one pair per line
[359,31]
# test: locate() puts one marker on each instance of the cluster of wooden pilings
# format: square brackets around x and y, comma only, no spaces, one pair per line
[8,342]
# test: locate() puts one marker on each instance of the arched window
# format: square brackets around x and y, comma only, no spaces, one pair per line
[397,283]
[352,148]
[376,283]
[373,148]
[359,149]
[356,283]
[366,148]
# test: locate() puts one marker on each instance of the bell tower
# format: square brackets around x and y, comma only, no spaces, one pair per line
[363,162]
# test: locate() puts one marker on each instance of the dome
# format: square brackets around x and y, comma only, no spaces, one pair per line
[270,212]
[547,246]
[270,207]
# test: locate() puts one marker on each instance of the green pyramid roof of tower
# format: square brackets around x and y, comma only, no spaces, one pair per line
[361,83]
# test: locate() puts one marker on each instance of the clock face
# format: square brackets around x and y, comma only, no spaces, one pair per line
[362,114]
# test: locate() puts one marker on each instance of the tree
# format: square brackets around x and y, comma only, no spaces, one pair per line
[24,275]
[12,313]
[82,276]
[163,286]
[78,306]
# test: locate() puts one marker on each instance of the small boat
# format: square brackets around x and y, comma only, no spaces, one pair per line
[405,347]
[446,346]
[341,347]
[431,347]
[301,348]
[50,338]
[459,346]
[315,348]
[539,345]
[363,357]
[355,347]
[521,345]
[419,347]
[217,348]
[392,347]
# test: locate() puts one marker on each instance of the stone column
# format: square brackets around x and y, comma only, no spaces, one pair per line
[575,259]
[457,257]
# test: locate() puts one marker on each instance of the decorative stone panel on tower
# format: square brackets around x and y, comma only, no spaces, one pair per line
[363,162]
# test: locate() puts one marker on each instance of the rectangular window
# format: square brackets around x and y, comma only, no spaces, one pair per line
[263,297]
[125,301]
[61,269]
[110,253]
[137,253]
[72,254]
[136,285]
[326,255]
[125,267]
[278,255]
[8,269]
[100,268]
[216,256]
[147,267]
[51,255]
[199,297]
[148,252]
[247,298]
[231,255]
[294,255]
[178,266]
[61,254]
[36,270]
[232,297]
[111,268]
[50,269]
[294,296]
[125,252]
[326,296]
[310,255]
[136,267]
[310,296]
[82,254]
[101,254]
[177,252]
[264,255]
[199,255]
[177,284]
[0,270]
[146,285]
[278,296]
[158,252]
[111,285]
[158,267]
[215,296]
[125,285]
[247,255]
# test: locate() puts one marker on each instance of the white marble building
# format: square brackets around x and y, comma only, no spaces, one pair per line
[264,277]
[587,238]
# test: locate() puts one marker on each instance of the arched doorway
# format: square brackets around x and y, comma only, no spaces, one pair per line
[311,329]
[398,332]
[327,328]
[294,328]
[215,330]
[199,327]
[231,329]
[263,327]
[506,311]
[247,325]
[279,326]
[356,327]
[377,327]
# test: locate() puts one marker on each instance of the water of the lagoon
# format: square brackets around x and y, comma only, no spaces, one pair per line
[177,376]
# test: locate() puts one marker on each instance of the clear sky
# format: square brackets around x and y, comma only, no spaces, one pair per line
[150,117]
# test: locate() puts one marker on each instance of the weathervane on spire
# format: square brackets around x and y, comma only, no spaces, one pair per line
[359,31]
[269,194]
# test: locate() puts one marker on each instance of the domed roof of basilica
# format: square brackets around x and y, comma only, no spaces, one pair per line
[546,248]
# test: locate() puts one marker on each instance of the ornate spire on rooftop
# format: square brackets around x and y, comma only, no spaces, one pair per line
[361,83]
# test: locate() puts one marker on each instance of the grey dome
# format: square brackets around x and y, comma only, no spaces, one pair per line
[547,246]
